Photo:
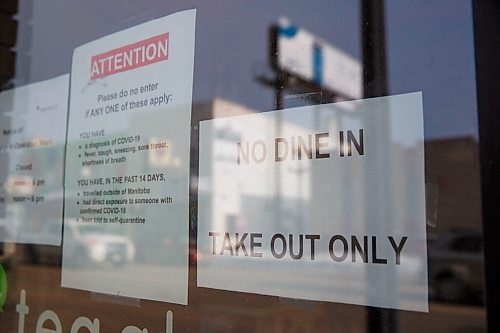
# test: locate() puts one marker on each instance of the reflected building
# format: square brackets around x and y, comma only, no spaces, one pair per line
[452,168]
[238,204]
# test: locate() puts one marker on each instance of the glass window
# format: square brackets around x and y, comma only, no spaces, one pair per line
[240,166]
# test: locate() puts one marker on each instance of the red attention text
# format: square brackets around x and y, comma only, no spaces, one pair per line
[138,54]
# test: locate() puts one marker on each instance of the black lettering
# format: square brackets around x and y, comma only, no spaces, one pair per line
[341,144]
[283,242]
[345,248]
[263,151]
[241,152]
[277,157]
[226,245]
[398,248]
[254,244]
[357,247]
[301,247]
[214,235]
[313,238]
[376,260]
[321,145]
[307,148]
[351,139]
[240,244]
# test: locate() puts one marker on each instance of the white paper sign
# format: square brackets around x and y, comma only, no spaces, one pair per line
[322,203]
[33,132]
[127,171]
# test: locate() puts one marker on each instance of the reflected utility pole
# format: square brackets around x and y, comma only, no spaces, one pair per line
[279,84]
[279,88]
[375,85]
[283,82]
[374,48]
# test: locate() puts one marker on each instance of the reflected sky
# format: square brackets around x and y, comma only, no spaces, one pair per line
[429,47]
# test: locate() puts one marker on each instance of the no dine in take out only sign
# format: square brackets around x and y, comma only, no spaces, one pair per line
[321,202]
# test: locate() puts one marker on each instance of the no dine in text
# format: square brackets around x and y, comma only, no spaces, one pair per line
[312,146]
